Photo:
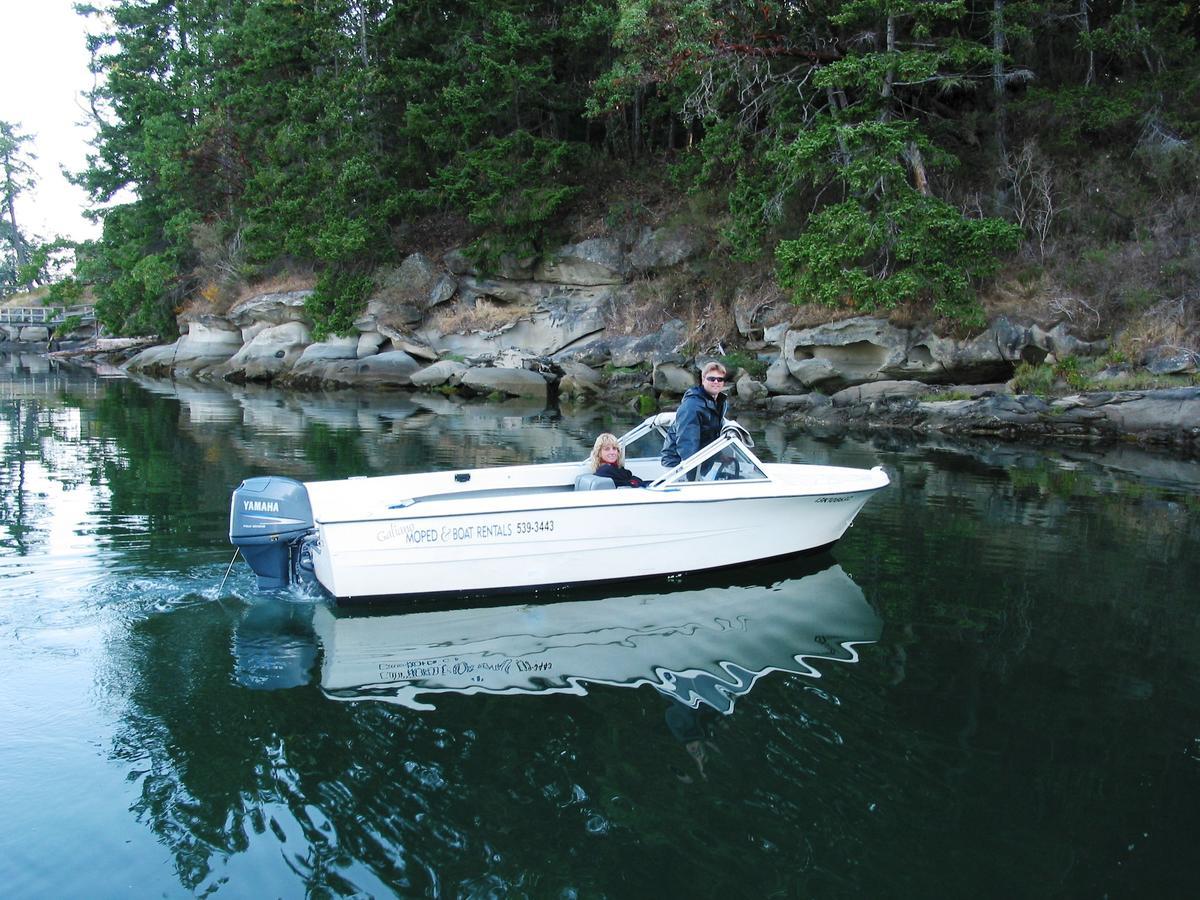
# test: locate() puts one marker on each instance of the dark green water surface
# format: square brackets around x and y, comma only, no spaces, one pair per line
[990,688]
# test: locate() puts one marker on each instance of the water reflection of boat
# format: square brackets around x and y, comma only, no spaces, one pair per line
[703,645]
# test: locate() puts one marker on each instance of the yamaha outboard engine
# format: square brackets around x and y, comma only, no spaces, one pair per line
[267,519]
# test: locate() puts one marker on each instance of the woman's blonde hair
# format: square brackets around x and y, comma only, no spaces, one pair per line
[603,441]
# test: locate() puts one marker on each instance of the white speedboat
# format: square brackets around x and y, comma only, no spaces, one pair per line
[519,528]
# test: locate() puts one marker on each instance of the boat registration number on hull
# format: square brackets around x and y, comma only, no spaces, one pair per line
[410,534]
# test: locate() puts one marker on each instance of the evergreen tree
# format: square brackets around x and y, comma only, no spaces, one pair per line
[846,136]
[16,178]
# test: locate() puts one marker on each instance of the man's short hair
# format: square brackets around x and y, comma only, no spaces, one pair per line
[713,366]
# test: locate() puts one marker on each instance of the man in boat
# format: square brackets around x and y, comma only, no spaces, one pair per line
[698,419]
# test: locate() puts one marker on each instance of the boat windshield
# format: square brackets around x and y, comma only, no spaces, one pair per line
[647,438]
[727,459]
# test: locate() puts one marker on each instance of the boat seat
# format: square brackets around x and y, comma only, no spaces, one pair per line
[590,482]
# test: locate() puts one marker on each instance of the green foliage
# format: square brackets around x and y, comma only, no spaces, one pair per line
[646,404]
[69,324]
[744,361]
[1033,378]
[46,262]
[1074,374]
[18,267]
[338,299]
[65,292]
[1077,112]
[310,133]
[1070,370]
[909,249]
[513,188]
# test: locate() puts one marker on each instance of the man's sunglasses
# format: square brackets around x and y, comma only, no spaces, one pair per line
[715,379]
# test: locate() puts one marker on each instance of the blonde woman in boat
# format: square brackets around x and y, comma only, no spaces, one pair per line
[608,461]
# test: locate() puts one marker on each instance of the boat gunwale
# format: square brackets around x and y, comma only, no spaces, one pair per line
[625,498]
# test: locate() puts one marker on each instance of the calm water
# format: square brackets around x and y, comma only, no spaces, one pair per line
[990,688]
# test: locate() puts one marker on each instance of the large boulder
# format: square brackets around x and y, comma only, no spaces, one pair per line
[814,372]
[409,343]
[879,390]
[207,341]
[265,310]
[664,248]
[672,379]
[865,349]
[515,382]
[559,318]
[662,346]
[591,262]
[578,380]
[316,357]
[779,379]
[1171,361]
[850,351]
[749,390]
[392,368]
[445,371]
[271,351]
[34,334]
[417,282]
[157,360]
[1156,414]
[369,343]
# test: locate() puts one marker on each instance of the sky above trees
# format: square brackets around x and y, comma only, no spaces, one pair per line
[43,70]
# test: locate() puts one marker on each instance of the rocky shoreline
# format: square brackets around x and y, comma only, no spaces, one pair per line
[553,331]
[1167,418]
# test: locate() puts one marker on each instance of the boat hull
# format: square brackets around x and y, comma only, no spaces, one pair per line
[560,543]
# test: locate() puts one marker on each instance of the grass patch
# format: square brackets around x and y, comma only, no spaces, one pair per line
[458,318]
[741,360]
[1077,375]
[1030,378]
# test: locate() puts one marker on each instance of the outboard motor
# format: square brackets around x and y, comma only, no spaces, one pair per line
[267,519]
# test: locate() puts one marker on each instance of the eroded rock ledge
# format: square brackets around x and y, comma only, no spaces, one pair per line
[1164,418]
[426,330]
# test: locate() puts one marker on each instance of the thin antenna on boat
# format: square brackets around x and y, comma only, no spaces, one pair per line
[236,551]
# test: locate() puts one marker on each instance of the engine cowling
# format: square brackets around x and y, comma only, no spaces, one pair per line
[268,517]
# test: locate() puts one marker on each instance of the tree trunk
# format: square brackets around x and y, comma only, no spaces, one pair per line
[890,75]
[915,160]
[1086,27]
[362,34]
[18,242]
[998,74]
[843,150]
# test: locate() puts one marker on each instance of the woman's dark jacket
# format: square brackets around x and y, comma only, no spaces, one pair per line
[622,477]
[697,424]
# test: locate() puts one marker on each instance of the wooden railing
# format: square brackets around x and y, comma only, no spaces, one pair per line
[45,315]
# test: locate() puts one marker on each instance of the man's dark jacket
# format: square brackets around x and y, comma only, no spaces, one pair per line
[697,424]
